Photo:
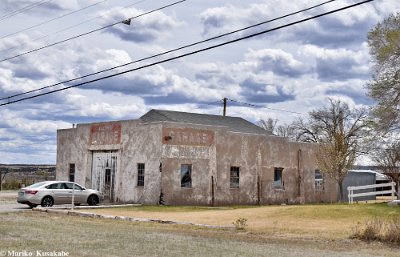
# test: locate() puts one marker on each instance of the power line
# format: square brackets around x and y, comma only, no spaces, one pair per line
[191,53]
[92,31]
[53,19]
[71,27]
[24,9]
[265,107]
[169,51]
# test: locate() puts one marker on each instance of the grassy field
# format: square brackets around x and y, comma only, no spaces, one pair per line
[78,236]
[333,221]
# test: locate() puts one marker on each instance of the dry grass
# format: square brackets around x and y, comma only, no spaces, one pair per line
[79,236]
[377,229]
[308,221]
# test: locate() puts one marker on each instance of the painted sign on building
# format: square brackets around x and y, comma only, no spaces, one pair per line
[105,134]
[187,136]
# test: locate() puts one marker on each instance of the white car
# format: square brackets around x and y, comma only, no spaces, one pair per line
[49,193]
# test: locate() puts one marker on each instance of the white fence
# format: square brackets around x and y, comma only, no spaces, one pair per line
[352,195]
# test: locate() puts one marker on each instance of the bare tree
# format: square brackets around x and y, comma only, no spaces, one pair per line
[269,125]
[3,173]
[389,161]
[339,131]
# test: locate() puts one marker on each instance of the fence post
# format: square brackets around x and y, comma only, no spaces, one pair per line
[393,190]
[349,194]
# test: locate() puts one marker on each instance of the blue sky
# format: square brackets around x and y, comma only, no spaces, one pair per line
[295,69]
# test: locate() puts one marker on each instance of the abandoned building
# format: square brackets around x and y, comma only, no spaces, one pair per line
[180,158]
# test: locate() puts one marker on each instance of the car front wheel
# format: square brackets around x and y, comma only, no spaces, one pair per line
[93,200]
[47,201]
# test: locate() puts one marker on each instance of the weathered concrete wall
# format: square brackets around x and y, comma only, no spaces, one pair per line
[163,147]
[72,148]
[192,145]
[141,143]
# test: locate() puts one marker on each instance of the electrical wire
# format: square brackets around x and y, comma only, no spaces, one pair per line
[22,10]
[170,51]
[73,26]
[265,107]
[92,31]
[53,19]
[192,53]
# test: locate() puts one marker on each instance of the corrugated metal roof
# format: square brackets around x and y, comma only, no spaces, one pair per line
[235,124]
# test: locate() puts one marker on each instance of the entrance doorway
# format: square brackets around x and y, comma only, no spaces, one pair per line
[103,173]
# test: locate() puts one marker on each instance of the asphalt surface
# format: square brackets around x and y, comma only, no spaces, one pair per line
[8,202]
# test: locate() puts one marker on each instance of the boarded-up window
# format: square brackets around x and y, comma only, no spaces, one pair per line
[72,172]
[234,177]
[140,170]
[278,181]
[186,175]
[319,181]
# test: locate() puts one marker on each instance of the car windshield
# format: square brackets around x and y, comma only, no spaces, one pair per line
[36,185]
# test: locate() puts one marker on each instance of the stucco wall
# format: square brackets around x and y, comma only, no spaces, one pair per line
[140,144]
[164,146]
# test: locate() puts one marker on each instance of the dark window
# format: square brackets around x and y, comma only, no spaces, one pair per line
[72,185]
[278,181]
[234,177]
[140,178]
[186,175]
[56,186]
[72,172]
[107,178]
[319,180]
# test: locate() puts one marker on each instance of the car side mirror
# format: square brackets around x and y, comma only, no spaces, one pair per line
[83,188]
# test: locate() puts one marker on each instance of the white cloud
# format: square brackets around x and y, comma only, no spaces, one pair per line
[294,69]
[143,29]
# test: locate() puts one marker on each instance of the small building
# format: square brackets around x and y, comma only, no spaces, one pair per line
[181,158]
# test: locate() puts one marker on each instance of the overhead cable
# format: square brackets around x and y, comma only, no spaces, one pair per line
[167,52]
[192,53]
[90,32]
[53,19]
[265,107]
[71,27]
[24,9]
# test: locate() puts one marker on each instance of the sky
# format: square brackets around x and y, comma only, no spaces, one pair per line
[282,74]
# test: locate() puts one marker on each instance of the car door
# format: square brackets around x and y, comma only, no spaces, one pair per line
[58,192]
[79,193]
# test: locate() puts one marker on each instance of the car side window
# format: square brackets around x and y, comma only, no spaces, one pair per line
[70,185]
[55,186]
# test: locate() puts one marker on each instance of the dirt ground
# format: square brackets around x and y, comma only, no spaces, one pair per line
[306,221]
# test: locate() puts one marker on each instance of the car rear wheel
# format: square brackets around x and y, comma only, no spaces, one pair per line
[47,201]
[93,200]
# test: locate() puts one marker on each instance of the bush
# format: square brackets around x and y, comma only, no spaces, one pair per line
[11,185]
[378,230]
[240,223]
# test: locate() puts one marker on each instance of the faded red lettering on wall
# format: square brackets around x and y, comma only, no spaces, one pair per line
[187,136]
[105,134]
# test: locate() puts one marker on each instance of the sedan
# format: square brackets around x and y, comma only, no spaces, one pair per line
[49,193]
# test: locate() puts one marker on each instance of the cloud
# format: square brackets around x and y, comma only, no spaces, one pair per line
[278,61]
[143,29]
[255,92]
[338,64]
[34,7]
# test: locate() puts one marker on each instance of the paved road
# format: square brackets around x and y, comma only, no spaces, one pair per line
[8,202]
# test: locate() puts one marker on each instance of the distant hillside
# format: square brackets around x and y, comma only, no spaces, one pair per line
[27,167]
